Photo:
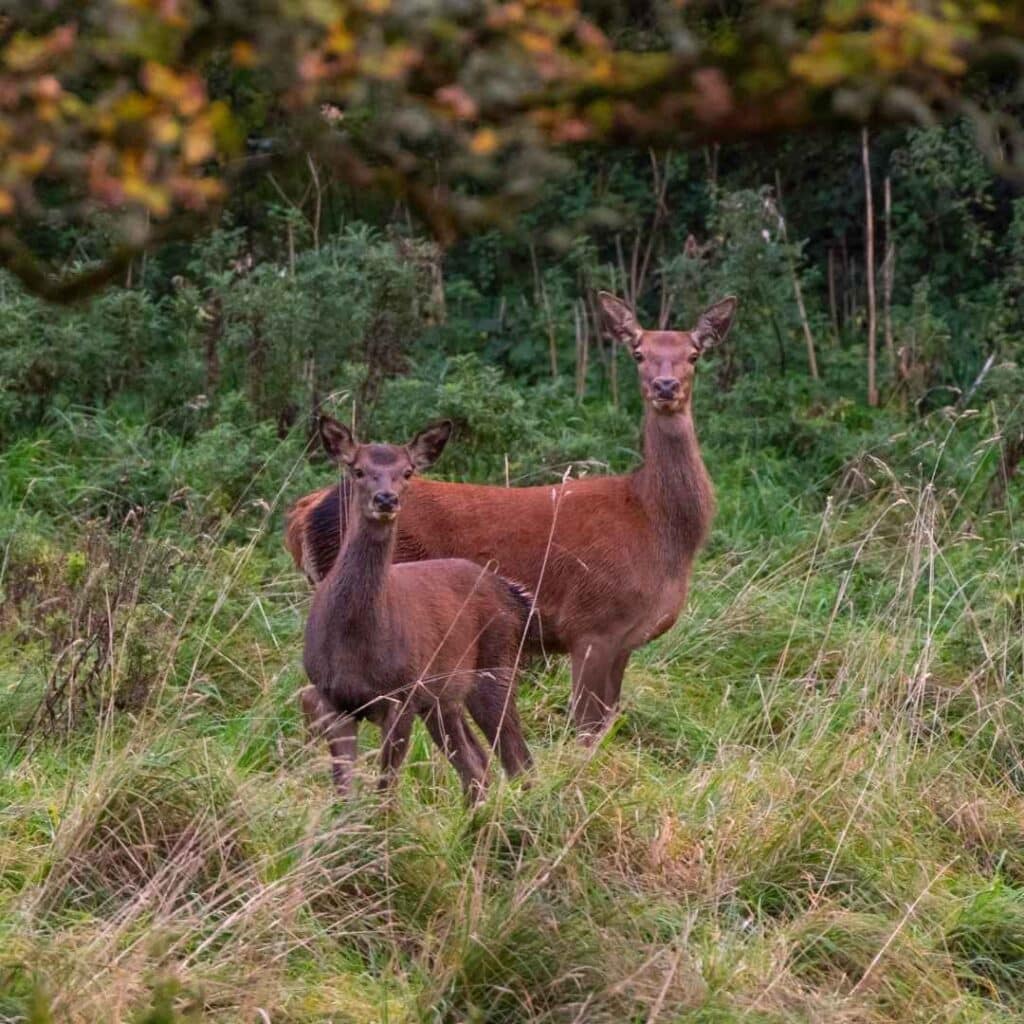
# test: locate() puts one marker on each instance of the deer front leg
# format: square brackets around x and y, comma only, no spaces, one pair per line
[340,731]
[396,728]
[616,673]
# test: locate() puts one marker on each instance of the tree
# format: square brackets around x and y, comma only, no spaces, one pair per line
[148,112]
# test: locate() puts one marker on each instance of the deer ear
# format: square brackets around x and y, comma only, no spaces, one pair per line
[426,447]
[620,320]
[714,323]
[337,440]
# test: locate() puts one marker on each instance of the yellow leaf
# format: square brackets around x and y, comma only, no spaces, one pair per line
[164,130]
[536,42]
[339,39]
[601,71]
[226,132]
[198,143]
[392,64]
[134,107]
[48,113]
[26,53]
[161,81]
[185,91]
[154,198]
[484,142]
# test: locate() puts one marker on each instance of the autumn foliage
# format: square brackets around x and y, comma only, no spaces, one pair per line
[143,110]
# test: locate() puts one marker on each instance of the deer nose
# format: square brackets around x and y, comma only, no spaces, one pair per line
[385,501]
[665,387]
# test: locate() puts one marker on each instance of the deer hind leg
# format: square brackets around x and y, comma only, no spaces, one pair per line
[449,730]
[340,731]
[396,727]
[594,693]
[493,707]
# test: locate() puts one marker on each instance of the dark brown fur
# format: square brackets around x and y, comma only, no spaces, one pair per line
[609,558]
[389,642]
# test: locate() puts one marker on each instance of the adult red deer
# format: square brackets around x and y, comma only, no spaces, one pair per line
[608,558]
[389,642]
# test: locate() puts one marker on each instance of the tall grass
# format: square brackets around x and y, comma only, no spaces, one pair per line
[811,808]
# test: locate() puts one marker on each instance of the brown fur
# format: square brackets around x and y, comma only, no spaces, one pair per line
[389,642]
[608,558]
[295,526]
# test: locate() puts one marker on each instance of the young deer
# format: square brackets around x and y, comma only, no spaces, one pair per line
[608,558]
[389,642]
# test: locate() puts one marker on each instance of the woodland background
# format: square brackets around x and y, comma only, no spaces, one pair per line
[813,805]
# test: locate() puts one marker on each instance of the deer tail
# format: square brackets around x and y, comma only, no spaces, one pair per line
[524,604]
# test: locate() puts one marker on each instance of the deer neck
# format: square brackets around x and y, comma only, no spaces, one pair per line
[356,586]
[673,485]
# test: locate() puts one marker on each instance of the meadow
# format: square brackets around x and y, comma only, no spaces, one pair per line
[810,809]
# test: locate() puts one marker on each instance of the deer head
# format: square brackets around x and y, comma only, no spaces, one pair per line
[380,473]
[667,360]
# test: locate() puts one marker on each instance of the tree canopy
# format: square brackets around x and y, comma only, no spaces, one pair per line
[143,115]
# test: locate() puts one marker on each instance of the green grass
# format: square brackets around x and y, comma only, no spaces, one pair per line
[812,808]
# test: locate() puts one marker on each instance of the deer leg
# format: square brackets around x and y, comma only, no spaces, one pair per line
[449,731]
[396,728]
[340,731]
[474,782]
[615,674]
[493,707]
[592,707]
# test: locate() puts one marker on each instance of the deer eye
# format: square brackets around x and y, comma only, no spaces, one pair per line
[358,473]
[693,357]
[638,356]
[407,474]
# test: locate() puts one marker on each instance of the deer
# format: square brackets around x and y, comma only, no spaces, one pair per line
[607,558]
[387,643]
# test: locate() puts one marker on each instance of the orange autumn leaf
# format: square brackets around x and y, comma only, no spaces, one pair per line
[30,162]
[243,54]
[484,142]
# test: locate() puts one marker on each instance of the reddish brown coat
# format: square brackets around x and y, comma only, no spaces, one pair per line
[608,558]
[389,642]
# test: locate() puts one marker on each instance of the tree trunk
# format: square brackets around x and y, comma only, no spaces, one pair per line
[812,360]
[869,271]
[211,346]
[832,308]
[888,275]
[582,347]
[846,303]
[540,293]
[1011,455]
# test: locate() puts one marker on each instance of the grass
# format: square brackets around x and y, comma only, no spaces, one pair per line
[812,807]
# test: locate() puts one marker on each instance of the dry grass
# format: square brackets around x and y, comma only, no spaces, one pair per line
[811,809]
